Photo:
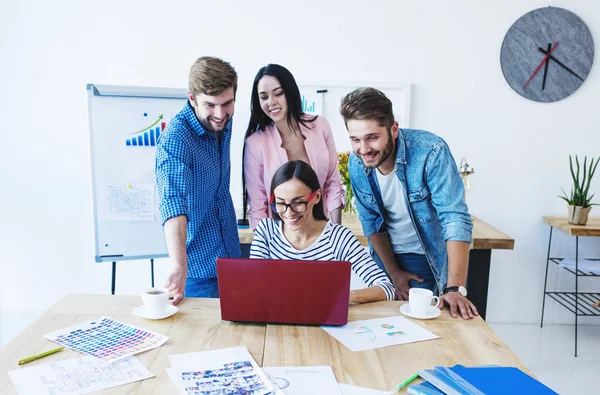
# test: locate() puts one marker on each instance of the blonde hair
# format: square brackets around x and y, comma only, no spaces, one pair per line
[211,76]
[367,104]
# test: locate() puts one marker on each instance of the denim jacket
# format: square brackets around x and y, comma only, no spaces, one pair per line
[434,192]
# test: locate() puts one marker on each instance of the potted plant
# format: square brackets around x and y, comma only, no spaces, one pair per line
[343,158]
[579,199]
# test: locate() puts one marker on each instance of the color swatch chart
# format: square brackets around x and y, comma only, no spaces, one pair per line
[107,339]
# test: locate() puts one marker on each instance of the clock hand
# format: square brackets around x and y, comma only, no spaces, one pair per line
[546,69]
[560,64]
[541,64]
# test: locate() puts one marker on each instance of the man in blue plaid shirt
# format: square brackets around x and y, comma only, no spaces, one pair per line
[192,173]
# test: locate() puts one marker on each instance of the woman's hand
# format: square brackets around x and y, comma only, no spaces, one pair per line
[366,295]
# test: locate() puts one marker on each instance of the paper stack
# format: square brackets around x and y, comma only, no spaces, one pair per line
[588,265]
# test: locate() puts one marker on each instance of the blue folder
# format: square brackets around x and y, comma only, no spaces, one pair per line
[424,388]
[487,380]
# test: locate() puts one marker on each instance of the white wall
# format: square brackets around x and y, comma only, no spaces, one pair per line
[449,50]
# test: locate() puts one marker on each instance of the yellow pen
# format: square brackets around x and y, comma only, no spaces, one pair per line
[33,358]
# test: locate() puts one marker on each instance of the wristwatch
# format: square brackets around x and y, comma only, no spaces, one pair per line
[460,289]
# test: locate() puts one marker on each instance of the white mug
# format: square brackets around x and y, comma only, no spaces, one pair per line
[155,301]
[421,300]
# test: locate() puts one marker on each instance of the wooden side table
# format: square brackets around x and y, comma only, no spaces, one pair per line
[578,303]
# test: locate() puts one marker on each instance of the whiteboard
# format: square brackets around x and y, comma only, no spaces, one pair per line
[329,105]
[124,124]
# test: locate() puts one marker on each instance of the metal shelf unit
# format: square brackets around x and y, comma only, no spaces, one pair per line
[580,304]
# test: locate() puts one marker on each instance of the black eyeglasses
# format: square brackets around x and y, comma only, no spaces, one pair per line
[297,207]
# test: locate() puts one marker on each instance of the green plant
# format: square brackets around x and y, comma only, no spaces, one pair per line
[343,158]
[581,186]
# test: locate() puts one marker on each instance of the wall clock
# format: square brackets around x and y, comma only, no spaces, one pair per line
[547,54]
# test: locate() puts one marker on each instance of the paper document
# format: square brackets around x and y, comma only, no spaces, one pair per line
[354,390]
[121,202]
[229,371]
[77,376]
[107,339]
[584,265]
[377,333]
[314,380]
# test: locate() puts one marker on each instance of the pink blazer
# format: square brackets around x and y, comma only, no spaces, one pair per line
[263,155]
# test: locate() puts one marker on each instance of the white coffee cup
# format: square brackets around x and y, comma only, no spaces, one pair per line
[421,300]
[155,301]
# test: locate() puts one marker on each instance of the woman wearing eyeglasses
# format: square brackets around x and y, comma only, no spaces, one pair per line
[280,131]
[299,230]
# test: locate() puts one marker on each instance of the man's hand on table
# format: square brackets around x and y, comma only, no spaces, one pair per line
[176,284]
[459,304]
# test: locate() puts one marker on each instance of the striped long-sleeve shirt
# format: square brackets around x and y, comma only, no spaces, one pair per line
[336,243]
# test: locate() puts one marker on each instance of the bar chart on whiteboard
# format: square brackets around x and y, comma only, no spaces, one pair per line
[149,135]
[312,102]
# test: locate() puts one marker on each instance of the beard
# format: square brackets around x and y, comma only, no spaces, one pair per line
[387,151]
[205,122]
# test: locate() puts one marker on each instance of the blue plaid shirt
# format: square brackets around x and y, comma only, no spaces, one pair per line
[192,173]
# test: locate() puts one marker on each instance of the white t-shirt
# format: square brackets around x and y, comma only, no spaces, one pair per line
[403,236]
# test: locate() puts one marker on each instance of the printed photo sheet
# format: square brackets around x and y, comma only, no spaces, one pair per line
[180,388]
[229,371]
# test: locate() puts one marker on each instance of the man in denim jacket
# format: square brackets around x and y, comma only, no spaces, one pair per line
[409,197]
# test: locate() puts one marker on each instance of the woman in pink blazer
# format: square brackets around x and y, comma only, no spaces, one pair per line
[278,132]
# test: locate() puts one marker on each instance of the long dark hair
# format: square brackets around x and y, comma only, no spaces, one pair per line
[301,171]
[259,120]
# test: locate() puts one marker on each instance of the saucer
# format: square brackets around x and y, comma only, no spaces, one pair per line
[433,312]
[140,311]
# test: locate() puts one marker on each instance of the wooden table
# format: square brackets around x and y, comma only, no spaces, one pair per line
[198,327]
[485,239]
[485,236]
[581,304]
[592,228]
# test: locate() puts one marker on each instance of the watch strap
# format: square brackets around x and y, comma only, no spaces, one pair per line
[451,289]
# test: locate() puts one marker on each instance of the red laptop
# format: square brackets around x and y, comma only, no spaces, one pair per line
[289,292]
